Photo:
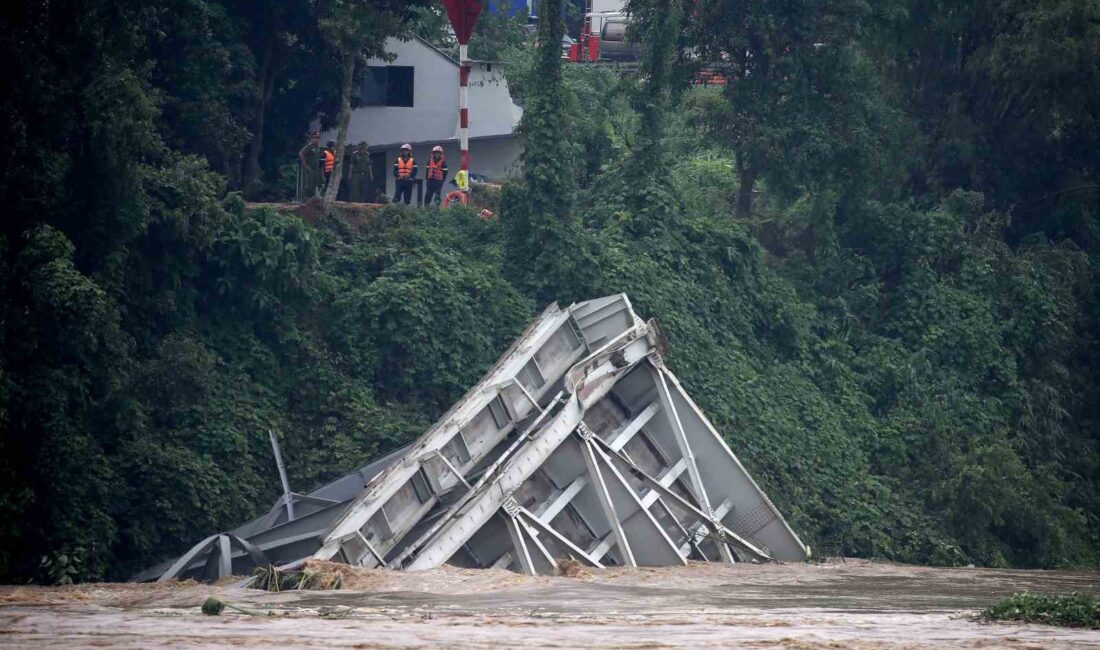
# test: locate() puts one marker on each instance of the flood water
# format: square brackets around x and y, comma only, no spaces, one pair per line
[853,604]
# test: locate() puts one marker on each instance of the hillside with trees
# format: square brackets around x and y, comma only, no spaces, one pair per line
[872,250]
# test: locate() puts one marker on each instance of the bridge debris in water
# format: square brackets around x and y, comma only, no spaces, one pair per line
[579,444]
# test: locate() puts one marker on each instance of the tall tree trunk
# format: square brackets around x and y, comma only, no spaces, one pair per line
[341,128]
[747,177]
[266,80]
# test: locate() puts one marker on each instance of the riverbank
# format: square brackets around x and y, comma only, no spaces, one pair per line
[854,604]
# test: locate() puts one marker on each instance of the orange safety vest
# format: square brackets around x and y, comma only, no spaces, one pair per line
[435,169]
[330,161]
[405,167]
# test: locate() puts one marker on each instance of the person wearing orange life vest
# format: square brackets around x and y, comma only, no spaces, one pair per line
[327,162]
[435,175]
[404,171]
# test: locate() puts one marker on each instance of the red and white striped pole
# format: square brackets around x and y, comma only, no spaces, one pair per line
[463,107]
[463,15]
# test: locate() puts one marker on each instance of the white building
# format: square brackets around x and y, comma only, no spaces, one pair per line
[414,99]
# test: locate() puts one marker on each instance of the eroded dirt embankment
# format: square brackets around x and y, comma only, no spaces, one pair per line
[854,604]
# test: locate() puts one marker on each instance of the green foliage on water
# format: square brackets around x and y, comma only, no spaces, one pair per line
[272,578]
[898,340]
[1073,610]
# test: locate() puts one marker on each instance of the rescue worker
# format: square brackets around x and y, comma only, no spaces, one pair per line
[404,171]
[326,162]
[309,175]
[462,180]
[435,175]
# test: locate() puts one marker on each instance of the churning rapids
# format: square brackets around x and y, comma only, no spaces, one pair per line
[852,604]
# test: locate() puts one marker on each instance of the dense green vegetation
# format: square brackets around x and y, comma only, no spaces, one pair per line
[1074,610]
[873,250]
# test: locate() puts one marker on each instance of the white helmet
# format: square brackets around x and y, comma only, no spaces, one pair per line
[437,148]
[406,146]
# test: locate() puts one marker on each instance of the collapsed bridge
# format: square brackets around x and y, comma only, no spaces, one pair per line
[578,444]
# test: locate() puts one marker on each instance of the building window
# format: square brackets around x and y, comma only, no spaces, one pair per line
[388,85]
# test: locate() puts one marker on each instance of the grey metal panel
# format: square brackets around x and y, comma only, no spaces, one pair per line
[340,490]
[603,319]
[386,484]
[528,458]
[614,512]
[725,478]
[649,542]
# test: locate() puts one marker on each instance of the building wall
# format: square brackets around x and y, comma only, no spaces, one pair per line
[492,111]
[433,117]
[496,159]
[435,100]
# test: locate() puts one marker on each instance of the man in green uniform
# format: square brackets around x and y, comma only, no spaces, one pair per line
[309,174]
[359,174]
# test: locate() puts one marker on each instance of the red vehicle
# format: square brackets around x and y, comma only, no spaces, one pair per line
[603,38]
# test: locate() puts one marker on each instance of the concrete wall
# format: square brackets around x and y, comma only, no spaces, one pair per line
[492,111]
[497,159]
[435,98]
[433,117]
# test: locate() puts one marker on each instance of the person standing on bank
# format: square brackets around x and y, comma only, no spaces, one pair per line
[327,162]
[435,175]
[309,175]
[358,174]
[404,171]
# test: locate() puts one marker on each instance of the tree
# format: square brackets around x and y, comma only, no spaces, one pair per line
[1006,96]
[655,25]
[497,33]
[924,385]
[642,176]
[358,28]
[548,253]
[548,167]
[797,98]
[274,34]
[204,80]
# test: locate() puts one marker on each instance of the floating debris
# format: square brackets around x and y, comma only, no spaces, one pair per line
[214,607]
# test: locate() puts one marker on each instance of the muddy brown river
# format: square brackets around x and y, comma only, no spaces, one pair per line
[852,604]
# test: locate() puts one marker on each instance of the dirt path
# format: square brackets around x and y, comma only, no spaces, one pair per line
[849,605]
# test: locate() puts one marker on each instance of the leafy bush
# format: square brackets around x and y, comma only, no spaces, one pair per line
[909,369]
[1074,610]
